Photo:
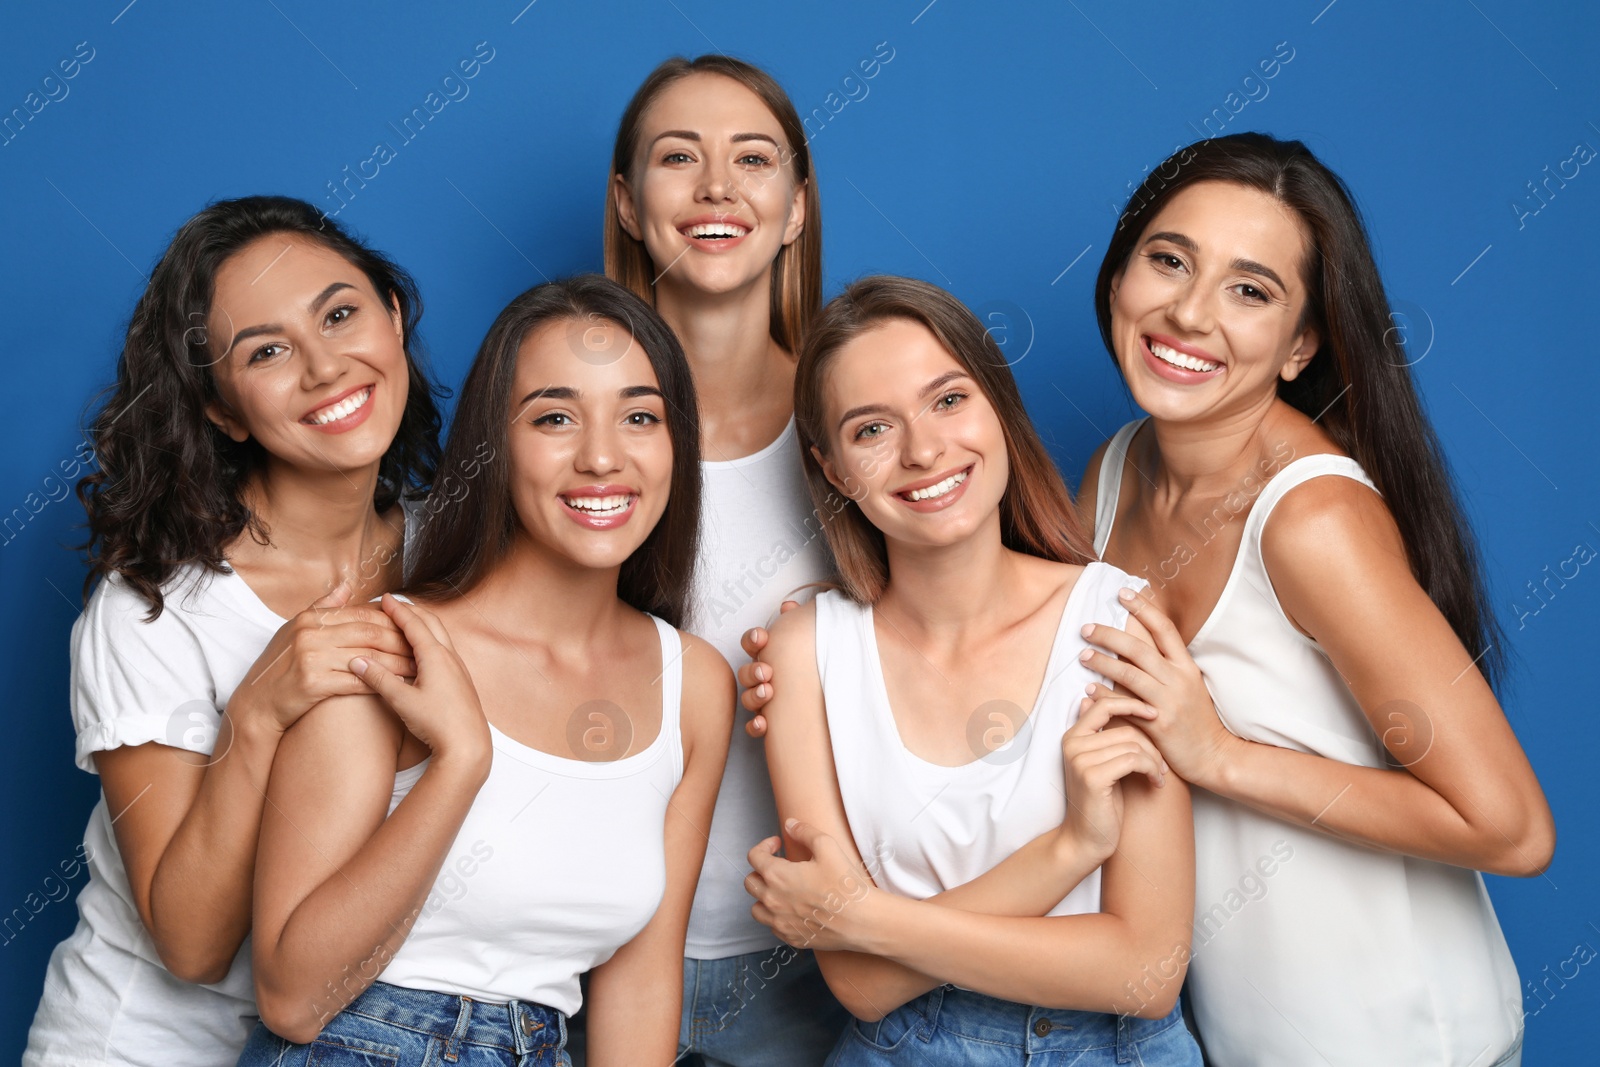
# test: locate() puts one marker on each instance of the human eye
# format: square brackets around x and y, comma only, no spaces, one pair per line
[1165,260]
[339,315]
[950,400]
[869,430]
[642,418]
[553,419]
[677,156]
[1254,294]
[755,159]
[266,352]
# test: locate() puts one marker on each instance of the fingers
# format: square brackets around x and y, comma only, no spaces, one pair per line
[1091,751]
[805,834]
[1124,674]
[764,856]
[1162,628]
[1102,704]
[420,626]
[787,606]
[753,641]
[337,597]
[1123,762]
[380,681]
[753,674]
[756,726]
[1142,654]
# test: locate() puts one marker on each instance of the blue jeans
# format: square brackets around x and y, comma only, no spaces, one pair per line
[763,1009]
[954,1026]
[391,1026]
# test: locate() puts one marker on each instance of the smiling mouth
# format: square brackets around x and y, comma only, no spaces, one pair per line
[343,409]
[938,489]
[714,231]
[600,506]
[1181,360]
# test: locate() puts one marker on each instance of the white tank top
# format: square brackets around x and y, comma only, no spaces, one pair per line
[922,828]
[559,863]
[1309,949]
[759,542]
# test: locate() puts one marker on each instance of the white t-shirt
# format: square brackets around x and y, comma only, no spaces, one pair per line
[107,998]
[558,863]
[760,541]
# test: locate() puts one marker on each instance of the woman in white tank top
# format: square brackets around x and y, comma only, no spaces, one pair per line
[1322,650]
[983,884]
[440,865]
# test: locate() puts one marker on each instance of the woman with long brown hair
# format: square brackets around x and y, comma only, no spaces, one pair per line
[1028,869]
[440,865]
[713,215]
[1323,654]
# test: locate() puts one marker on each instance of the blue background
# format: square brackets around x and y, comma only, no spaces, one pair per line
[988,155]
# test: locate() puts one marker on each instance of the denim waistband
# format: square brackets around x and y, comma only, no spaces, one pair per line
[515,1025]
[1036,1030]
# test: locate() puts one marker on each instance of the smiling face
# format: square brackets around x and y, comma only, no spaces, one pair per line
[308,359]
[591,458]
[1207,314]
[711,191]
[914,441]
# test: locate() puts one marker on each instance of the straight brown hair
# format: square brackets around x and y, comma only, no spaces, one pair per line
[797,272]
[461,543]
[1036,512]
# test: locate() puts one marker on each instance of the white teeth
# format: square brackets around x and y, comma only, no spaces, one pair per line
[345,407]
[1180,359]
[938,490]
[599,505]
[717,229]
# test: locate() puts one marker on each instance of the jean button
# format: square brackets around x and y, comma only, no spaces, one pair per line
[1042,1028]
[528,1025]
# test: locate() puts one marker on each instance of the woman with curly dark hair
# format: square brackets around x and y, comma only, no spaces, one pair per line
[270,412]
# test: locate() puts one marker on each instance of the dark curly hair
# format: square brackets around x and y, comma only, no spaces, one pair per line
[167,492]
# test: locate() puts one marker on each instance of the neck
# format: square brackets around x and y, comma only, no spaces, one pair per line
[728,340]
[1207,456]
[518,594]
[321,520]
[951,589]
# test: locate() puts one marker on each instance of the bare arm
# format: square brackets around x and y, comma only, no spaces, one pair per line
[824,898]
[338,885]
[1464,794]
[635,996]
[186,824]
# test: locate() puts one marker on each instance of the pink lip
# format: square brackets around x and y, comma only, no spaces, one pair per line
[938,503]
[721,244]
[350,421]
[1162,369]
[600,522]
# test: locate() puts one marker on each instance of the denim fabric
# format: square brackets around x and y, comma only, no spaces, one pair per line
[957,1027]
[762,1009]
[391,1026]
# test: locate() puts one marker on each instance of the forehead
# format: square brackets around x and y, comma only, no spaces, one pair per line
[708,104]
[276,269]
[595,356]
[889,361]
[1236,221]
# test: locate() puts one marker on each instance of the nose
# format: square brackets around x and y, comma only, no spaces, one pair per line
[923,443]
[599,450]
[322,361]
[1192,310]
[716,181]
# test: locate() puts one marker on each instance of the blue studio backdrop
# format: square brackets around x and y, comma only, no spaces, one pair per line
[987,151]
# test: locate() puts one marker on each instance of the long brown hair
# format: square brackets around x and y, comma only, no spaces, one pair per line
[1358,385]
[461,543]
[168,491]
[797,272]
[1036,512]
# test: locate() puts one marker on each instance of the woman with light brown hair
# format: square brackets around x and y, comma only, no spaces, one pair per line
[713,216]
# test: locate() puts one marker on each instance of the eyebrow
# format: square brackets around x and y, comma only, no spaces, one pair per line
[691,135]
[1249,266]
[272,327]
[567,392]
[932,387]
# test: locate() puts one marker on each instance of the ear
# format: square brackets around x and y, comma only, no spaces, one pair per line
[797,214]
[622,196]
[1116,283]
[395,317]
[1306,346]
[223,420]
[831,473]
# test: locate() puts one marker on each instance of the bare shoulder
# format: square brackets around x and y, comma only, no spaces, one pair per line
[794,635]
[705,672]
[1329,521]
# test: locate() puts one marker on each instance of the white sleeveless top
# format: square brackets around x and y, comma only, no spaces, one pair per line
[1309,949]
[558,864]
[922,828]
[760,541]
